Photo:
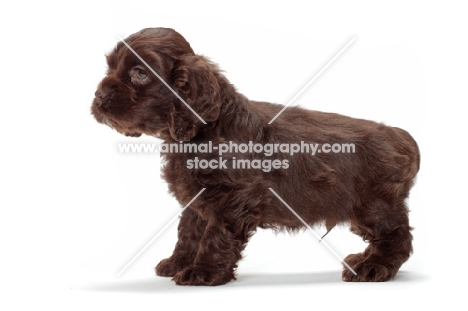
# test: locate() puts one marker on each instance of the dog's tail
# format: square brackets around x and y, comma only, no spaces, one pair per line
[407,147]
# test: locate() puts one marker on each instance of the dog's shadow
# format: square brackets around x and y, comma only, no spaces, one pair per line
[288,279]
[157,284]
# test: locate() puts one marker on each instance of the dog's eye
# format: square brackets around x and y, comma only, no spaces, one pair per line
[138,75]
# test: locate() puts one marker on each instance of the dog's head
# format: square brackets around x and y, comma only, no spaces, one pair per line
[133,100]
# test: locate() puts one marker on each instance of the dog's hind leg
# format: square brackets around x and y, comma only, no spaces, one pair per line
[386,228]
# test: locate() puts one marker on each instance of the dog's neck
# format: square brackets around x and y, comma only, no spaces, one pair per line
[238,119]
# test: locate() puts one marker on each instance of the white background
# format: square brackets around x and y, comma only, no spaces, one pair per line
[74,210]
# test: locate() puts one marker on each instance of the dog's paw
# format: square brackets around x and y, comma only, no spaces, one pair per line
[168,267]
[200,275]
[367,269]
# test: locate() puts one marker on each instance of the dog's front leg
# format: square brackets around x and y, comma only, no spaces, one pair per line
[190,232]
[216,259]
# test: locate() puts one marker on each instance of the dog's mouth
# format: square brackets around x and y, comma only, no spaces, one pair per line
[101,117]
[104,119]
[123,127]
[108,122]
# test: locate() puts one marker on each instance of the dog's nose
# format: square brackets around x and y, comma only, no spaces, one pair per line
[100,96]
[100,93]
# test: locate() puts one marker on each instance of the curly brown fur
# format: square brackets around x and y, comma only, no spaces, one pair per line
[366,189]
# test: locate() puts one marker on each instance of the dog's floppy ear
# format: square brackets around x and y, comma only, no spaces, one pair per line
[194,79]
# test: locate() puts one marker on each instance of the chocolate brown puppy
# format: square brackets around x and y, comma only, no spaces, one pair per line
[365,187]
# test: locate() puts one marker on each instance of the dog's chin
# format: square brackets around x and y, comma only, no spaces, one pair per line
[105,120]
[124,129]
[100,117]
[130,134]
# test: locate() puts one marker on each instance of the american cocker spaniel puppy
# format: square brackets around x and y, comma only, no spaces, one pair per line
[228,146]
